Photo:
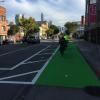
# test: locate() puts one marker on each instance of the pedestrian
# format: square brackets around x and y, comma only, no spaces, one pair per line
[62,43]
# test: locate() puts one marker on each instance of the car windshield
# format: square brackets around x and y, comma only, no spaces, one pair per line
[49,49]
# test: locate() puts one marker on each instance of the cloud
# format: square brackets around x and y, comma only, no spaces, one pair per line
[23,7]
[59,11]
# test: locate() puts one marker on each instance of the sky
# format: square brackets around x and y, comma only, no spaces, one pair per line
[58,11]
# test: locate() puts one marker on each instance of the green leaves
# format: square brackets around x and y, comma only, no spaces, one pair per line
[29,24]
[71,26]
[53,29]
[13,30]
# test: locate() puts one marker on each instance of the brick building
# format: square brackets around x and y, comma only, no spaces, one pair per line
[92,21]
[3,24]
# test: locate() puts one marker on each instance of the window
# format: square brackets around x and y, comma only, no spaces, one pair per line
[3,28]
[2,18]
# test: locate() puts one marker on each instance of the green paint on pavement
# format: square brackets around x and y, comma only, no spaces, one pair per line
[71,70]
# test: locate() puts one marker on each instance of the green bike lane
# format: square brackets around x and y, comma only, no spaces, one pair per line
[71,70]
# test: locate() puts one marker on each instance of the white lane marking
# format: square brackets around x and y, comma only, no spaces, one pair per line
[5,69]
[34,61]
[42,69]
[26,83]
[28,58]
[23,74]
[16,82]
[10,53]
[14,51]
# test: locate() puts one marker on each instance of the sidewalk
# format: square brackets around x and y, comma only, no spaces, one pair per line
[91,52]
[71,70]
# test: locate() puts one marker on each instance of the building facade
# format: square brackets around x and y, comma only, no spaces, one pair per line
[92,21]
[43,26]
[80,28]
[3,24]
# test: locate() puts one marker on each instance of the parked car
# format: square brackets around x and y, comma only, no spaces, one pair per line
[6,41]
[31,39]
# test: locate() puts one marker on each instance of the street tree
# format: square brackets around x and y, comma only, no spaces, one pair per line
[71,26]
[29,25]
[13,30]
[53,30]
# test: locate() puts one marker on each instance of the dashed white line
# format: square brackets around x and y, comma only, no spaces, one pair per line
[42,69]
[28,58]
[23,74]
[16,82]
[34,61]
[11,53]
[5,69]
[14,51]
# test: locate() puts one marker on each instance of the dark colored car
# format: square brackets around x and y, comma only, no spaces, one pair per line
[6,41]
[31,39]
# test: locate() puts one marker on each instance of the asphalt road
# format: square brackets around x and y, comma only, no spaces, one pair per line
[20,67]
[21,60]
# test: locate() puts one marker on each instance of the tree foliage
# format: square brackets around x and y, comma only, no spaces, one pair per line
[13,30]
[53,29]
[29,24]
[71,26]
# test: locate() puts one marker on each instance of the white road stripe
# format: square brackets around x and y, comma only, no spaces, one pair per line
[5,69]
[34,61]
[14,51]
[28,58]
[11,53]
[16,82]
[23,74]
[42,69]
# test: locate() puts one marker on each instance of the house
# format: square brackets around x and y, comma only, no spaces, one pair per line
[3,24]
